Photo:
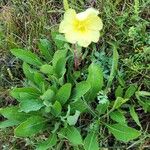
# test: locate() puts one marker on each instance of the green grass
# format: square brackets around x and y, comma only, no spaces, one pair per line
[126,24]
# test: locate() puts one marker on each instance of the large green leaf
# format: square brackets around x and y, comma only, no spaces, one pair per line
[30,127]
[46,49]
[47,69]
[95,79]
[134,116]
[56,108]
[60,68]
[118,116]
[130,91]
[102,107]
[72,120]
[59,61]
[81,89]
[31,105]
[48,95]
[12,113]
[39,79]
[119,102]
[91,141]
[123,132]
[28,71]
[143,99]
[72,134]
[79,105]
[49,143]
[17,93]
[33,75]
[58,39]
[57,56]
[114,67]
[8,123]
[27,56]
[26,97]
[64,93]
[119,92]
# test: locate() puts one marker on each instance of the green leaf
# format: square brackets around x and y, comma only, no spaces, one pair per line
[47,69]
[58,39]
[91,141]
[118,117]
[72,120]
[81,89]
[12,113]
[143,93]
[95,79]
[39,79]
[134,116]
[130,91]
[119,102]
[30,127]
[121,80]
[16,92]
[143,99]
[72,134]
[123,132]
[8,123]
[46,49]
[102,107]
[31,105]
[56,109]
[27,96]
[79,105]
[57,56]
[119,92]
[114,67]
[29,73]
[48,95]
[49,143]
[27,56]
[60,67]
[64,93]
[59,62]
[34,76]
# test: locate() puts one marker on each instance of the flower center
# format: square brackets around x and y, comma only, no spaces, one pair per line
[80,26]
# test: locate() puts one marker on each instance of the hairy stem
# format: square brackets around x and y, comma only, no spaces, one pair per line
[76,58]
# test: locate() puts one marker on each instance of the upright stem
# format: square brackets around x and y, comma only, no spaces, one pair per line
[76,59]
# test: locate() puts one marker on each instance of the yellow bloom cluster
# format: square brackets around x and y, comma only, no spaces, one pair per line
[82,28]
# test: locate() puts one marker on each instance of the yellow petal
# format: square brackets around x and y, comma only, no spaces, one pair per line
[69,15]
[84,39]
[92,11]
[88,37]
[65,27]
[88,13]
[71,37]
[84,43]
[82,16]
[77,37]
[93,36]
[94,23]
[66,24]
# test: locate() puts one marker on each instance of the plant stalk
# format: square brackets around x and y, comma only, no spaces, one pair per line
[76,59]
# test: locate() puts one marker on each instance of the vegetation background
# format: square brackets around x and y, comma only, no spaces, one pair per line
[127,22]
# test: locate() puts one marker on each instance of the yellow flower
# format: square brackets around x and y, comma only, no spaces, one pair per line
[82,28]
